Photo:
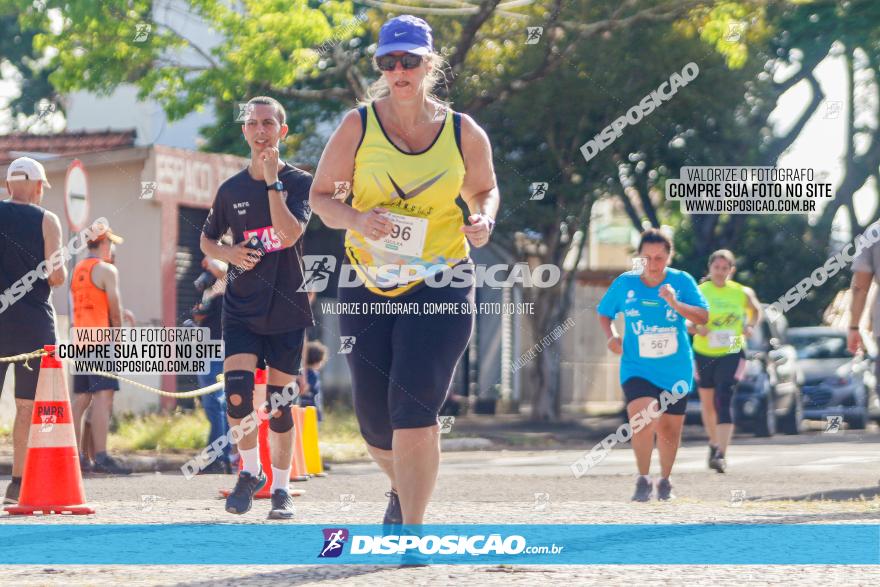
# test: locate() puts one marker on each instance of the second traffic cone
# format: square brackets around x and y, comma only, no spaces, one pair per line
[310,442]
[52,481]
[265,461]
[298,471]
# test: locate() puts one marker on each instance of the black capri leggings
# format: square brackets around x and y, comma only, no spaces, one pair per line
[404,355]
[721,374]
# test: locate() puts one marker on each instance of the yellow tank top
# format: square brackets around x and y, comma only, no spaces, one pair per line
[419,190]
[727,313]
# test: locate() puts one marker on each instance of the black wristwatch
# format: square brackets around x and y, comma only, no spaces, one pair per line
[277,186]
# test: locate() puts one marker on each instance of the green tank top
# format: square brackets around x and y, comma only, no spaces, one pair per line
[727,315]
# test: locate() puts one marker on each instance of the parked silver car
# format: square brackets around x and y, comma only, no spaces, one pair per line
[835,382]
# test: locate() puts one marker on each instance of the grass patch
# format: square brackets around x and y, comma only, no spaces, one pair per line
[339,435]
[179,431]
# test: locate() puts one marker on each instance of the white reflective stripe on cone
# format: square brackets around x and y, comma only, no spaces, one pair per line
[51,436]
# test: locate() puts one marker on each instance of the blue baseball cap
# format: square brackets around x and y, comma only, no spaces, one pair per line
[405,33]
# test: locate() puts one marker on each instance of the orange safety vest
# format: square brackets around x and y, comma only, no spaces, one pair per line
[90,307]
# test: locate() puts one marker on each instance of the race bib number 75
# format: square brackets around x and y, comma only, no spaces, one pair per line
[267,236]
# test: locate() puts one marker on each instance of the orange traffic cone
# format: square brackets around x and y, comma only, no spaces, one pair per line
[260,381]
[314,465]
[261,378]
[52,482]
[298,470]
[265,461]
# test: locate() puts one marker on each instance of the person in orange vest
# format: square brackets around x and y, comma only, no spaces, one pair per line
[96,303]
[29,237]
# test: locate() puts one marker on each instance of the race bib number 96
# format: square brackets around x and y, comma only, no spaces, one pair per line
[406,238]
[267,236]
[656,345]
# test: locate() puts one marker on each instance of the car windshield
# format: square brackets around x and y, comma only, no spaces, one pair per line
[820,346]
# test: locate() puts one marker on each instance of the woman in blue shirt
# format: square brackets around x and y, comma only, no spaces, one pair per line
[656,353]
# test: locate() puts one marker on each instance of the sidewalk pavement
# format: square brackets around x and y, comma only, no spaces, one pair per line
[147,462]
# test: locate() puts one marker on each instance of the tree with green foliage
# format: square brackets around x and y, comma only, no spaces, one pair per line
[538,101]
[24,65]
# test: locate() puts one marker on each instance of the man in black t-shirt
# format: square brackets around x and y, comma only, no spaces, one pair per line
[29,236]
[266,209]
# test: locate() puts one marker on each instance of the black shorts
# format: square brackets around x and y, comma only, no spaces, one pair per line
[636,387]
[719,372]
[38,335]
[93,383]
[402,363]
[281,351]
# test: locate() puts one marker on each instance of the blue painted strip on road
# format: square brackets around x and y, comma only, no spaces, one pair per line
[297,544]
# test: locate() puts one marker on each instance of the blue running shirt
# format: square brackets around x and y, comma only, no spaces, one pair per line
[656,346]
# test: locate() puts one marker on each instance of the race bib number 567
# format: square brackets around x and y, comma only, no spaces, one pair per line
[657,345]
[267,236]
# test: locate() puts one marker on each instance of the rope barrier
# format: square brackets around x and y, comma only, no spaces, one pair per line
[25,357]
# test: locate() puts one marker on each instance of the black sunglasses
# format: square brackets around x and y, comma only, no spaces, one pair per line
[389,62]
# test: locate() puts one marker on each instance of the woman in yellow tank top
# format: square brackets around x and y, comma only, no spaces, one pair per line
[734,310]
[406,157]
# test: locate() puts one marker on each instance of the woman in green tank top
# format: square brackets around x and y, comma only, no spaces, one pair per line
[734,310]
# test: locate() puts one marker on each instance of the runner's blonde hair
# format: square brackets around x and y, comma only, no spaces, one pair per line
[436,74]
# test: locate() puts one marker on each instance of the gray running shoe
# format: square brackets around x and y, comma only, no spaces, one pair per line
[718,463]
[85,464]
[282,505]
[643,490]
[393,514]
[242,497]
[415,559]
[104,463]
[664,490]
[12,491]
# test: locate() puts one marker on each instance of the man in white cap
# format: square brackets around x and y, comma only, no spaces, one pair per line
[29,235]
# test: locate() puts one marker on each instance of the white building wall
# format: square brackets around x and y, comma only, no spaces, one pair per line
[121,110]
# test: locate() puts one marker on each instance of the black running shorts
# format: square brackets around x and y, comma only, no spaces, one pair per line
[402,362]
[282,351]
[636,387]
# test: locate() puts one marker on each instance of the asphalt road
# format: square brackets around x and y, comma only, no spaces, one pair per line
[813,478]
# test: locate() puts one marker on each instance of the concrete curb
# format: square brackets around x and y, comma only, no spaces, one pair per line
[173,462]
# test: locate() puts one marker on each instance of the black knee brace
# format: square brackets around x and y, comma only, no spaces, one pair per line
[239,386]
[281,418]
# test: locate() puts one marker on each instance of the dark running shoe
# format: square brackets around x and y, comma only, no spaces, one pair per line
[643,490]
[215,468]
[85,464]
[393,515]
[104,463]
[282,505]
[415,559]
[242,497]
[12,491]
[718,463]
[664,490]
[712,451]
